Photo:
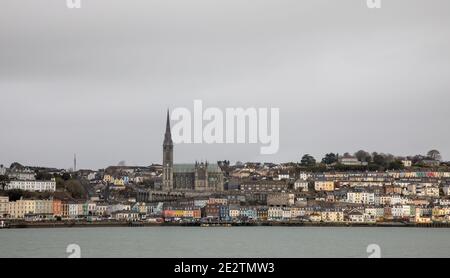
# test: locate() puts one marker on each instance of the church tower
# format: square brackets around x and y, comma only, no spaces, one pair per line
[168,157]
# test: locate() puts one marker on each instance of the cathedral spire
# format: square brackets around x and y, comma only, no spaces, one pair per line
[168,134]
[168,157]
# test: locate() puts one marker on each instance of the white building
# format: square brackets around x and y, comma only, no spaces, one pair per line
[275,213]
[101,209]
[286,214]
[39,186]
[407,163]
[74,210]
[234,212]
[356,216]
[398,200]
[304,176]
[427,190]
[351,161]
[374,213]
[119,207]
[446,190]
[367,198]
[283,176]
[22,174]
[301,185]
[397,212]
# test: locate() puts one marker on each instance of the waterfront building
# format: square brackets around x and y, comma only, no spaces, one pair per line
[4,201]
[275,213]
[19,208]
[65,210]
[125,215]
[262,213]
[315,217]
[212,211]
[43,207]
[356,216]
[234,212]
[376,213]
[224,212]
[57,208]
[73,210]
[333,216]
[101,209]
[286,214]
[248,213]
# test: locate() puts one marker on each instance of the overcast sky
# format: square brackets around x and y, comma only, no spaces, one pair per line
[96,81]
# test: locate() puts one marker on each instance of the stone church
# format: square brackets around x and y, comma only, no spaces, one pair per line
[188,177]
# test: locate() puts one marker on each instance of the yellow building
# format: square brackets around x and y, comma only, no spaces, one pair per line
[108,178]
[439,214]
[324,185]
[332,216]
[3,206]
[19,208]
[119,182]
[43,207]
[315,217]
[179,213]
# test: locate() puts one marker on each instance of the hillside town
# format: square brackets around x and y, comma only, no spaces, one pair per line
[361,188]
[248,193]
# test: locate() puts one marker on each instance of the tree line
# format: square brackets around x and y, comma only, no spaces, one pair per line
[369,161]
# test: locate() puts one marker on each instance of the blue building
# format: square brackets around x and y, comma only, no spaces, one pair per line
[224,213]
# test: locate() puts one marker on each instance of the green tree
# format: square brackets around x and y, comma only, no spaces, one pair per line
[43,176]
[75,188]
[395,165]
[330,158]
[66,176]
[308,161]
[4,180]
[379,159]
[363,156]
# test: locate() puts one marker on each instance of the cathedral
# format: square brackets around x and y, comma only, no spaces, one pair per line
[188,177]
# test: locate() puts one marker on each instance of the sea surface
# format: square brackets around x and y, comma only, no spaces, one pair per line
[226,242]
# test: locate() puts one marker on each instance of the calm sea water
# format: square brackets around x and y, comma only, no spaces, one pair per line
[228,242]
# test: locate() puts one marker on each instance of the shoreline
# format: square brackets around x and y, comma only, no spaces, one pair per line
[28,225]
